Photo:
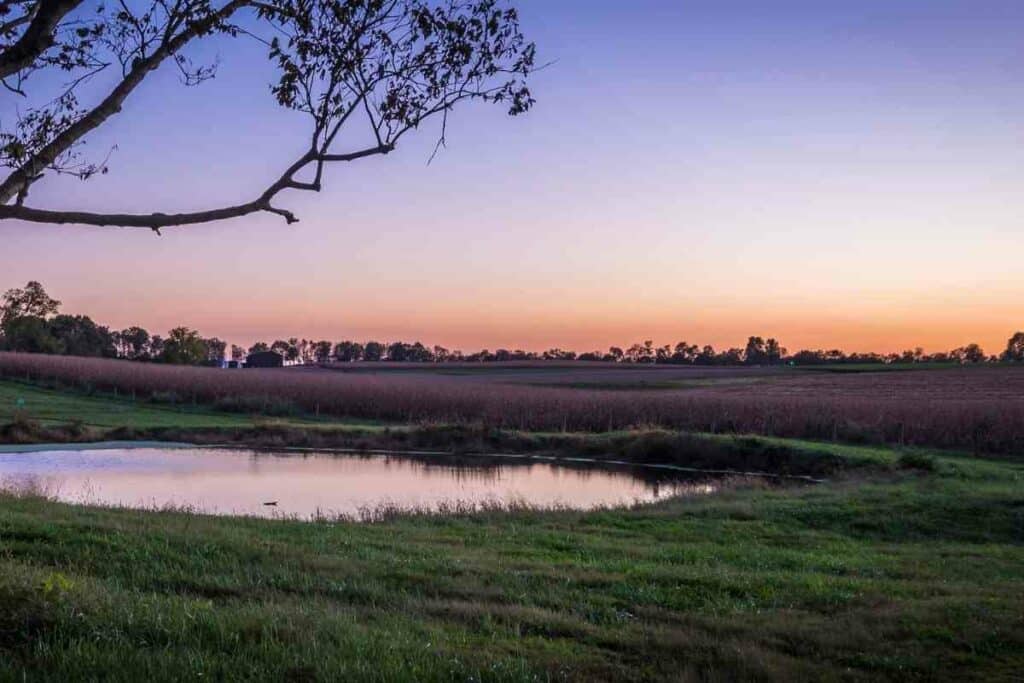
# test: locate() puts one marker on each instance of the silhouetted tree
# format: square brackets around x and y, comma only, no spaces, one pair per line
[663,354]
[640,353]
[755,353]
[773,351]
[78,335]
[348,351]
[393,64]
[558,354]
[30,301]
[685,353]
[183,347]
[733,356]
[972,353]
[215,349]
[1014,352]
[373,351]
[706,356]
[322,351]
[30,334]
[288,350]
[133,343]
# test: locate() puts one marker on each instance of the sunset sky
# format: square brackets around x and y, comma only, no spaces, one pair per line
[832,174]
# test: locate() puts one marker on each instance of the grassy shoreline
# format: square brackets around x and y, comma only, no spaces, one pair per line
[912,576]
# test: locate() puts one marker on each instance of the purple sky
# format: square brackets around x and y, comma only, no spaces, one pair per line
[833,174]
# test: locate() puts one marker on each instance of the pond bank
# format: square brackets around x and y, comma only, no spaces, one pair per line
[699,452]
[919,576]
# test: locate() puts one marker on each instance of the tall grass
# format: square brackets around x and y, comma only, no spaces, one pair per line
[937,416]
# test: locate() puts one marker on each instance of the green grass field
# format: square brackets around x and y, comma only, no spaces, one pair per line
[51,407]
[54,407]
[912,570]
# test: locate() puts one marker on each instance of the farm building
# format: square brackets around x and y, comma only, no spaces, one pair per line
[264,359]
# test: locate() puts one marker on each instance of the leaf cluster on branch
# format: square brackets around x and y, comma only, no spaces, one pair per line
[388,65]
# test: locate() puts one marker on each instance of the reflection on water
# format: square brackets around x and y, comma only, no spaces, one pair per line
[270,484]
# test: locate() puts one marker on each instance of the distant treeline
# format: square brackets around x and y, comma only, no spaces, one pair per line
[30,322]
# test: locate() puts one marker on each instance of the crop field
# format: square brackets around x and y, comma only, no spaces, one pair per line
[978,409]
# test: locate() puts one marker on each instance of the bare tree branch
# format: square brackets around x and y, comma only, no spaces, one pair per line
[399,62]
[110,105]
[156,221]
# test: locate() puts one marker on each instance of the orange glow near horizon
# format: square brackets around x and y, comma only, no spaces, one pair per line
[831,176]
[572,320]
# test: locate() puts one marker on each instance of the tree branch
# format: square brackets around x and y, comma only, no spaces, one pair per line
[110,105]
[37,38]
[156,221]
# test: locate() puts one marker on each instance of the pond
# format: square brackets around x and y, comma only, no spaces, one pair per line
[321,484]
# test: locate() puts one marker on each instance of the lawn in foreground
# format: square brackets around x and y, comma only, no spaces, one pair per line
[916,575]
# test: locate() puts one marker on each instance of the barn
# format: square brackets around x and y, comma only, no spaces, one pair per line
[264,359]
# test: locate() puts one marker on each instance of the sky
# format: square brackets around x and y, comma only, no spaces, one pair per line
[832,174]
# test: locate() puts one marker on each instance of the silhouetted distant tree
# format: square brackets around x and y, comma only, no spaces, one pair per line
[322,351]
[237,352]
[808,357]
[30,301]
[348,351]
[1014,352]
[755,353]
[78,335]
[30,334]
[972,353]
[184,347]
[373,351]
[133,343]
[663,354]
[684,353]
[215,349]
[773,351]
[388,65]
[396,351]
[911,355]
[288,350]
[706,356]
[259,347]
[733,356]
[640,353]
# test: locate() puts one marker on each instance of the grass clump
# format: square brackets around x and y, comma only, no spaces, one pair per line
[922,462]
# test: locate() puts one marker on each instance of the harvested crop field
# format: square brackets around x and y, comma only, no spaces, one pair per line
[977,408]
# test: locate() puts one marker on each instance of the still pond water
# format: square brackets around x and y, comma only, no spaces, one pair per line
[237,482]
